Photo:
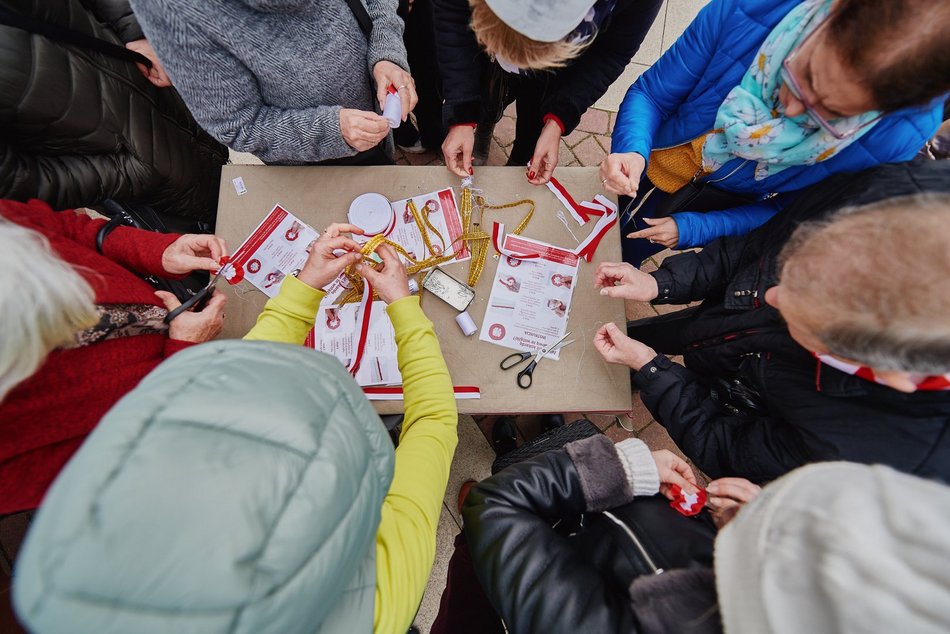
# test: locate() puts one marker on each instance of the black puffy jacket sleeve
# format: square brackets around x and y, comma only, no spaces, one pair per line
[533,576]
[759,448]
[118,15]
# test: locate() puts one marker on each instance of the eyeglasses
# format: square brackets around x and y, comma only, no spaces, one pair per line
[838,128]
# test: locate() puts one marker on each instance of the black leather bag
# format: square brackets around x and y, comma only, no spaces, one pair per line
[145,218]
[701,197]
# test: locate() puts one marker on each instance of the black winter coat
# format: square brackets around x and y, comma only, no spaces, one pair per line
[78,126]
[463,65]
[810,412]
[551,559]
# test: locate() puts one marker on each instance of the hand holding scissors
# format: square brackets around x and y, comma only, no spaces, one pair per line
[525,376]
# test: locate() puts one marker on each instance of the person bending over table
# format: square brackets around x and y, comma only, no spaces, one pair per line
[250,486]
[760,98]
[828,341]
[553,58]
[290,81]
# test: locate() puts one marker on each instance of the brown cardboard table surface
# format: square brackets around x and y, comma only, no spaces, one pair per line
[579,382]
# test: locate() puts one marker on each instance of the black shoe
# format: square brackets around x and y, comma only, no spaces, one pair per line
[504,435]
[551,421]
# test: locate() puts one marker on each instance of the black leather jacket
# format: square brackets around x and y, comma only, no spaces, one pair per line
[77,126]
[549,564]
[806,412]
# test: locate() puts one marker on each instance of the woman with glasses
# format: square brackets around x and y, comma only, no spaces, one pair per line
[761,98]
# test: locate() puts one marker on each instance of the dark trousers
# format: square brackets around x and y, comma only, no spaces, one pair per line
[419,38]
[464,608]
[663,333]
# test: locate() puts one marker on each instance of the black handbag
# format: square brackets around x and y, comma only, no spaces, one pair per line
[701,197]
[147,219]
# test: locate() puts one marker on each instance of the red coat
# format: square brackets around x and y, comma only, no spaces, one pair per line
[44,419]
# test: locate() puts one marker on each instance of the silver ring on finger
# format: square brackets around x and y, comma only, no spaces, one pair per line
[604,182]
[652,241]
[401,87]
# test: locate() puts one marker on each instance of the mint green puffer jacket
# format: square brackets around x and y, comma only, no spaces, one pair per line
[285,464]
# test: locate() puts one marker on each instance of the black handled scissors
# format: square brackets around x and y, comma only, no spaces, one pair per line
[525,376]
[197,301]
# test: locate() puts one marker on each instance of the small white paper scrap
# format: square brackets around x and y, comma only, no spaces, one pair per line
[239,186]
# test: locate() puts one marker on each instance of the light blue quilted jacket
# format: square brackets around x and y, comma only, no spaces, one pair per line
[237,489]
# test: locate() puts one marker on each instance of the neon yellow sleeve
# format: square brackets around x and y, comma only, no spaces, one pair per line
[288,317]
[405,540]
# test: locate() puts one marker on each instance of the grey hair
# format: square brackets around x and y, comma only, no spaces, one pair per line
[44,302]
[876,282]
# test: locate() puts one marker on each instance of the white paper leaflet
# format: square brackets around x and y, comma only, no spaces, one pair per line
[336,332]
[275,249]
[442,213]
[530,299]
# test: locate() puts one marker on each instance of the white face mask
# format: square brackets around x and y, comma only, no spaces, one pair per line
[507,66]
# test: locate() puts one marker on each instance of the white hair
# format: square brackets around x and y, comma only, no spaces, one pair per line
[44,302]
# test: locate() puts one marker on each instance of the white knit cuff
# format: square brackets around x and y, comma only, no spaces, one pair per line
[639,465]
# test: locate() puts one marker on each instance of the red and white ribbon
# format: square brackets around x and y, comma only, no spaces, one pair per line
[588,247]
[498,239]
[395,393]
[363,319]
[577,212]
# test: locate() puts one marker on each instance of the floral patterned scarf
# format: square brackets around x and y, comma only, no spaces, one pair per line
[750,123]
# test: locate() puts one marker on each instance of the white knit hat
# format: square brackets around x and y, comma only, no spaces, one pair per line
[838,547]
[541,20]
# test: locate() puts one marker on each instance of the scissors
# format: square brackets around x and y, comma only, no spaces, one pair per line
[524,377]
[199,300]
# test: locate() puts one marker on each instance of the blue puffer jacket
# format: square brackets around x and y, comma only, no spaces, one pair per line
[678,98]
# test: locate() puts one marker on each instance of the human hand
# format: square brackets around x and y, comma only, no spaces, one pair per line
[362,130]
[673,470]
[619,279]
[616,347]
[457,150]
[322,265]
[546,153]
[388,74]
[727,496]
[194,252]
[661,231]
[192,326]
[156,74]
[391,281]
[621,173]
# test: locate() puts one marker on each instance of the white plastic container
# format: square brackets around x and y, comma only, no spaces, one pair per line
[373,213]
[392,107]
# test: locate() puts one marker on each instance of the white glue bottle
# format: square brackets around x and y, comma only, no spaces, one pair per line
[392,107]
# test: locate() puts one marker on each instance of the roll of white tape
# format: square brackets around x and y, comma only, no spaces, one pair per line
[466,323]
[372,213]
